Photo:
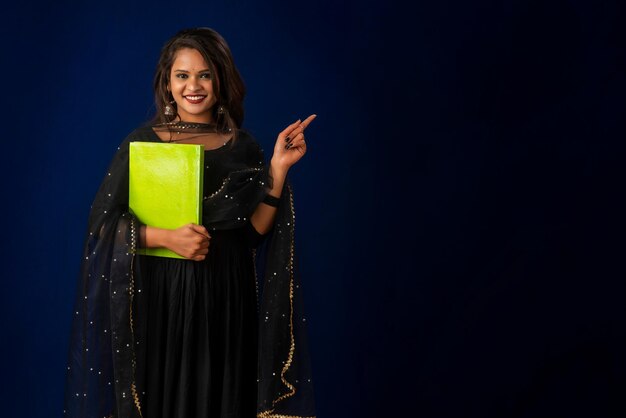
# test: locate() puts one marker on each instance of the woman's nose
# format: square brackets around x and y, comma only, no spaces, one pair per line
[192,83]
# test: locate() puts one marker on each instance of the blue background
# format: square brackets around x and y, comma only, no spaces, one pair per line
[460,212]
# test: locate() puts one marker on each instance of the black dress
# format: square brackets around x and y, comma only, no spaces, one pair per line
[155,337]
[200,345]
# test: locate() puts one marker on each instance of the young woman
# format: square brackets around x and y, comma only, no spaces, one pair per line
[200,336]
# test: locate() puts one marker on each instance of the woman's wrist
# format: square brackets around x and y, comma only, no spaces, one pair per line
[277,170]
[271,200]
[278,173]
[156,237]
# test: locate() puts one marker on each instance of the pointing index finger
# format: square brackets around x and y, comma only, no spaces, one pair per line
[290,128]
[308,120]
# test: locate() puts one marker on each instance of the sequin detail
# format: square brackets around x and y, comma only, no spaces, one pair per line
[227,180]
[131,293]
[292,348]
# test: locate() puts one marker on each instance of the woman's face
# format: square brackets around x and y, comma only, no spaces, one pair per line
[192,86]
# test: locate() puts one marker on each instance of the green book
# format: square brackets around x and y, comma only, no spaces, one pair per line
[165,186]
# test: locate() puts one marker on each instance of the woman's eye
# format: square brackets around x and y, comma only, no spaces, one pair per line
[205,75]
[181,75]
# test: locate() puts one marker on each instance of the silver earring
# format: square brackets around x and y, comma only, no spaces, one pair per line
[221,110]
[169,110]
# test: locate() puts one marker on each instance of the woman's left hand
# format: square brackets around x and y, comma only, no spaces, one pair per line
[290,145]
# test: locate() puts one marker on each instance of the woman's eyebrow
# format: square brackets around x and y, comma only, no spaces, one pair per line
[185,71]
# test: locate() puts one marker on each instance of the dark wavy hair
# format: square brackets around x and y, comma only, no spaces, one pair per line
[228,85]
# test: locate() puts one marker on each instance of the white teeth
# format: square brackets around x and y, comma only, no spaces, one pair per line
[195,97]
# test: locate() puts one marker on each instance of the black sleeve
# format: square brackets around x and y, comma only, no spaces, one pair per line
[254,152]
[254,158]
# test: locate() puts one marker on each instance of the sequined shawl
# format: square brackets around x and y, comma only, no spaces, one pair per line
[101,369]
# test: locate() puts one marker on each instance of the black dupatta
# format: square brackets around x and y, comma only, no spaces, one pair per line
[101,372]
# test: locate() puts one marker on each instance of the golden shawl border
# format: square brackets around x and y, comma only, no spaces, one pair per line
[292,390]
[131,294]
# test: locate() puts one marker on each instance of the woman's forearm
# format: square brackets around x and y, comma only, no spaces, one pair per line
[263,217]
[189,241]
[152,237]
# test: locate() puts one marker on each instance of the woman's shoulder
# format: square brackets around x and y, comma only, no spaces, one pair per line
[247,142]
[143,133]
[245,136]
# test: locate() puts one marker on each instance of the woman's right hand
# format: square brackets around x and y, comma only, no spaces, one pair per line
[190,241]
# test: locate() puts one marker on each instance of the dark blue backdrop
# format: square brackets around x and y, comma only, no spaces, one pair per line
[460,210]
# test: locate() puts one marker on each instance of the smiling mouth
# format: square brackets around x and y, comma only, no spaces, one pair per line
[195,99]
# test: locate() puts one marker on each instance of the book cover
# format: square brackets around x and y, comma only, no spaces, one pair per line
[165,186]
